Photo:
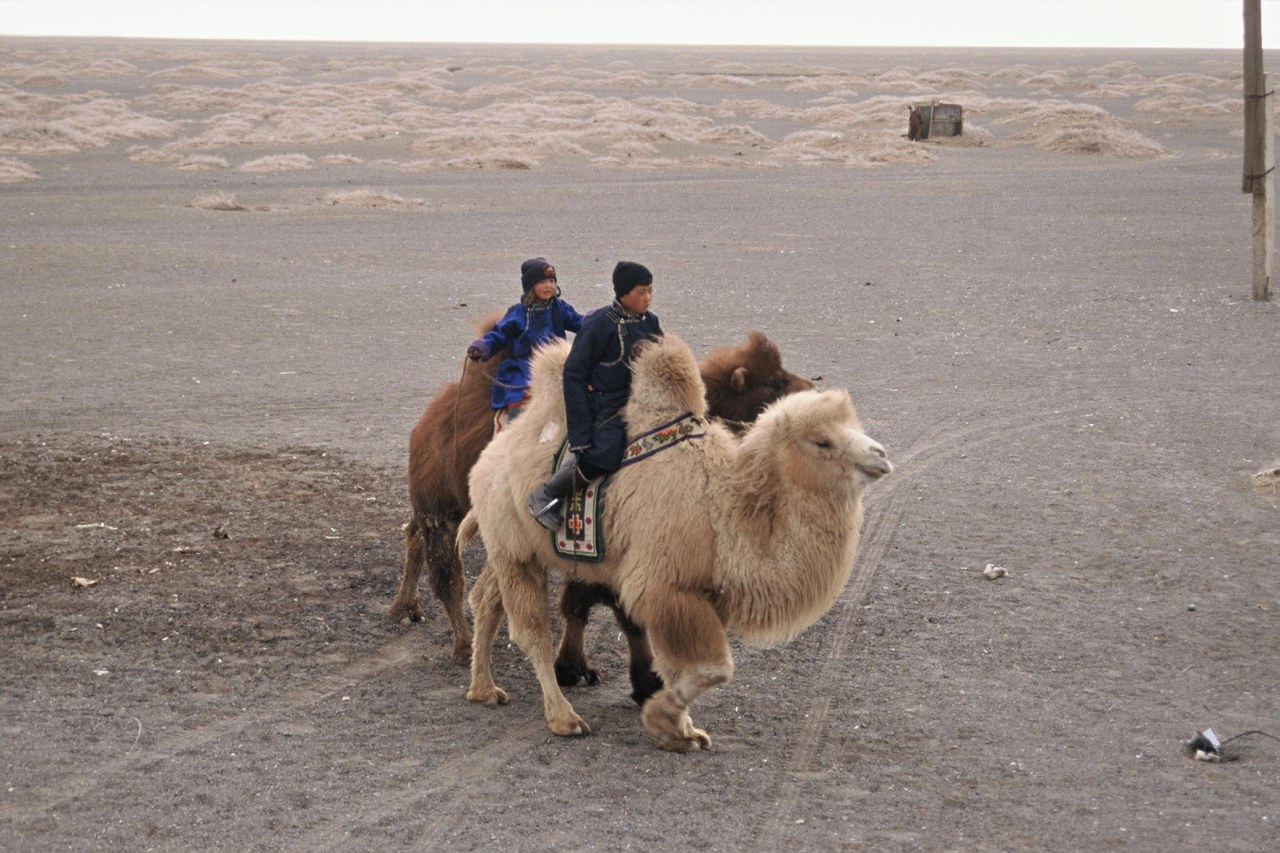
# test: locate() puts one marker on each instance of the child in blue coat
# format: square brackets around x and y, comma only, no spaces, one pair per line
[540,316]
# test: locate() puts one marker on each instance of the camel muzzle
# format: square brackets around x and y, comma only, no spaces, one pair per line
[876,468]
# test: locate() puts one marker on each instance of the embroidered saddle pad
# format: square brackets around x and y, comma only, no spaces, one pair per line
[581,536]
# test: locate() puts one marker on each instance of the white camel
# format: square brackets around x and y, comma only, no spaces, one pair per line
[754,535]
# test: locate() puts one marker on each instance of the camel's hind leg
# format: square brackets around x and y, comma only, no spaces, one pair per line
[448,582]
[486,607]
[693,655]
[571,657]
[428,542]
[576,602]
[406,604]
[524,597]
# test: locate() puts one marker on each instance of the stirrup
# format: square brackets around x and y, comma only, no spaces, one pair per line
[546,512]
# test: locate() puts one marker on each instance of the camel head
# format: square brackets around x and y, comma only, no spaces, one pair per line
[665,384]
[742,380]
[818,443]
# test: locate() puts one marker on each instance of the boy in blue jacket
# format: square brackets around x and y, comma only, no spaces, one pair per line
[597,385]
[540,316]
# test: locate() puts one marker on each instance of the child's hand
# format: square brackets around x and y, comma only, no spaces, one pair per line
[478,351]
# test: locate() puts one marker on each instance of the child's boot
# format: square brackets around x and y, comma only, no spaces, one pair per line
[547,501]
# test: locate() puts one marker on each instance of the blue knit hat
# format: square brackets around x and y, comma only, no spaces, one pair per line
[535,270]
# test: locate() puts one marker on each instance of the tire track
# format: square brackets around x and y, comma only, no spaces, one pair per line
[455,780]
[883,517]
[88,780]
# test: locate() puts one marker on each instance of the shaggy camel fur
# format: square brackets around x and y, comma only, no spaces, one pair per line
[458,424]
[444,444]
[741,381]
[754,535]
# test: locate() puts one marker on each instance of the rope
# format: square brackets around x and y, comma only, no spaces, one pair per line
[1242,734]
[462,381]
[456,397]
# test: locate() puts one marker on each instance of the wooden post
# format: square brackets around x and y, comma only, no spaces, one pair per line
[1259,152]
[1264,204]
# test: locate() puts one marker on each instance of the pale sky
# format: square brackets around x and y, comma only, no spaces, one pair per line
[958,23]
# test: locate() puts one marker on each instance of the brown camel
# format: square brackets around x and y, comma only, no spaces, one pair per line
[448,438]
[754,534]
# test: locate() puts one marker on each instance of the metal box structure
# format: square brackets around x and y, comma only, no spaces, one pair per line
[941,120]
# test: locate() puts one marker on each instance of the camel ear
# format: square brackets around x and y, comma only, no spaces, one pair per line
[738,380]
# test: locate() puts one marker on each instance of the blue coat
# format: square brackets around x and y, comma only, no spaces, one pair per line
[597,382]
[524,329]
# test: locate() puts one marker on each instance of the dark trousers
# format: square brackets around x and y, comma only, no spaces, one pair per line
[608,435]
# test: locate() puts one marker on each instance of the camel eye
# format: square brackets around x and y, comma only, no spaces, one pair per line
[823,444]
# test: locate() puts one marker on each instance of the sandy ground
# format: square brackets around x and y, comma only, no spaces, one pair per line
[233,275]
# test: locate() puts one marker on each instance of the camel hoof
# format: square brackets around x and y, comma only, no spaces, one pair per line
[572,727]
[695,740]
[670,726]
[570,673]
[462,654]
[412,611]
[644,685]
[494,696]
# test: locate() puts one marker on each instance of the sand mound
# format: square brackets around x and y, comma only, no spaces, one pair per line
[15,171]
[513,112]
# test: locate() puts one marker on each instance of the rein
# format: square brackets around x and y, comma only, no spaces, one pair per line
[462,381]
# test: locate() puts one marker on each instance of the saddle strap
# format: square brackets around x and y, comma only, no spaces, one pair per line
[683,428]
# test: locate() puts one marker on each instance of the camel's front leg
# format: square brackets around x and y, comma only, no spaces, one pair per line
[691,652]
[666,715]
[524,596]
[486,608]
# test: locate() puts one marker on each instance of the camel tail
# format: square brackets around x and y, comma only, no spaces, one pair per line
[467,531]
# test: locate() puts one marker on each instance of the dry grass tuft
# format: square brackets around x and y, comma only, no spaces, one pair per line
[43,79]
[29,137]
[1180,107]
[1109,141]
[1077,128]
[514,113]
[854,149]
[632,150]
[202,161]
[1267,481]
[278,163]
[15,171]
[1119,68]
[217,201]
[371,198]
[733,135]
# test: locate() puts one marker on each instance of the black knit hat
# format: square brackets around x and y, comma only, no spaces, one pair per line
[629,274]
[535,270]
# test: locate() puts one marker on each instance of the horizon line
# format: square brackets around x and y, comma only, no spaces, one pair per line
[620,44]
